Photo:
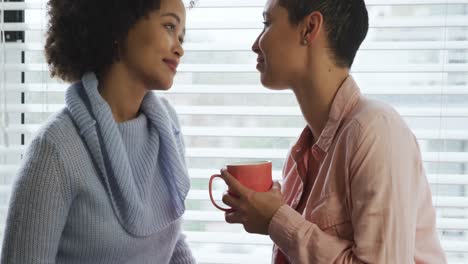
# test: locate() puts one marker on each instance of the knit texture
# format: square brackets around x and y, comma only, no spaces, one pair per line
[93,191]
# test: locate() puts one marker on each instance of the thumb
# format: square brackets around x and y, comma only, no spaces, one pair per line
[276,186]
[234,185]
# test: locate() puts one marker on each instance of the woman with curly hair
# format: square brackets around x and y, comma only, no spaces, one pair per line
[105,180]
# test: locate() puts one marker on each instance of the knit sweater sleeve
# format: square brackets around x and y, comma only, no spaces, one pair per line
[182,253]
[38,207]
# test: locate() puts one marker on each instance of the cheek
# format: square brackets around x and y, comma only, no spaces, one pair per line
[148,48]
[145,44]
[285,53]
[263,44]
[269,51]
[273,46]
[274,52]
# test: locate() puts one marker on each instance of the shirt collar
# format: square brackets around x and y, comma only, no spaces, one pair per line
[346,98]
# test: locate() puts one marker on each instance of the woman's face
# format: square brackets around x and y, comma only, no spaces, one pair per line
[280,53]
[153,48]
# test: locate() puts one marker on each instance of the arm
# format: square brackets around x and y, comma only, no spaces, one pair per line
[182,253]
[38,208]
[383,176]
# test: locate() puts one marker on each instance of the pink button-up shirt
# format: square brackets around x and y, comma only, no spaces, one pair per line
[370,200]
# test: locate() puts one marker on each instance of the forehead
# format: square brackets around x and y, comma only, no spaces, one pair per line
[270,6]
[173,6]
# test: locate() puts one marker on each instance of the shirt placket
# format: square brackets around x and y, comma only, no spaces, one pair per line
[301,170]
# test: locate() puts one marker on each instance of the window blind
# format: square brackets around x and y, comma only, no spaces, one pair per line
[415,58]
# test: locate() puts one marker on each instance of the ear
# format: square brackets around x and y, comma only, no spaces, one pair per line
[312,25]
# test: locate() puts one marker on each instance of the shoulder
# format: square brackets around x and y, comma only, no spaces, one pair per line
[371,118]
[59,139]
[374,129]
[58,130]
[42,158]
[56,154]
[367,112]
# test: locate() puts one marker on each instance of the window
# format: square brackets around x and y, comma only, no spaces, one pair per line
[415,58]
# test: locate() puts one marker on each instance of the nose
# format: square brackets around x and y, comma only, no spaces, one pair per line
[179,50]
[256,46]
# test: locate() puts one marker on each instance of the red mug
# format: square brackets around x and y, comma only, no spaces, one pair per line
[254,175]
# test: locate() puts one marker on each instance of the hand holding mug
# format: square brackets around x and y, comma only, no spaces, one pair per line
[253,175]
[251,208]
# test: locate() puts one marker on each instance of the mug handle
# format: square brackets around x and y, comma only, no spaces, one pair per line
[211,194]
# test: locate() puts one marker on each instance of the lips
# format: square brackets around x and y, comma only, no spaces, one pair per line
[172,64]
[260,64]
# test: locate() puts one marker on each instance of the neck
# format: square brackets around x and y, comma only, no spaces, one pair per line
[123,92]
[315,95]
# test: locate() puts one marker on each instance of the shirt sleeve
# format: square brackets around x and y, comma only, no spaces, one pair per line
[38,208]
[386,186]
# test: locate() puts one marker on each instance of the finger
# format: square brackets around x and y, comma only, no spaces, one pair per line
[234,185]
[276,186]
[223,177]
[230,200]
[234,218]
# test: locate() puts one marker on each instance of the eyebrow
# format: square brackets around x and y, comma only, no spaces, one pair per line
[172,15]
[266,14]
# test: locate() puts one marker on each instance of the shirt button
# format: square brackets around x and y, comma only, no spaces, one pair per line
[315,152]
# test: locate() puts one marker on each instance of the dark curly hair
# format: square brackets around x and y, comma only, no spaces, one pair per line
[82,34]
[346,23]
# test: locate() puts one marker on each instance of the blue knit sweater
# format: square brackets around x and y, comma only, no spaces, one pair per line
[94,191]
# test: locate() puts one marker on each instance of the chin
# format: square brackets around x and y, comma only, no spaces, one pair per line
[272,84]
[159,88]
[166,87]
[162,85]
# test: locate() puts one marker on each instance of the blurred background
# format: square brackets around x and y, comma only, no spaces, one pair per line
[415,57]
